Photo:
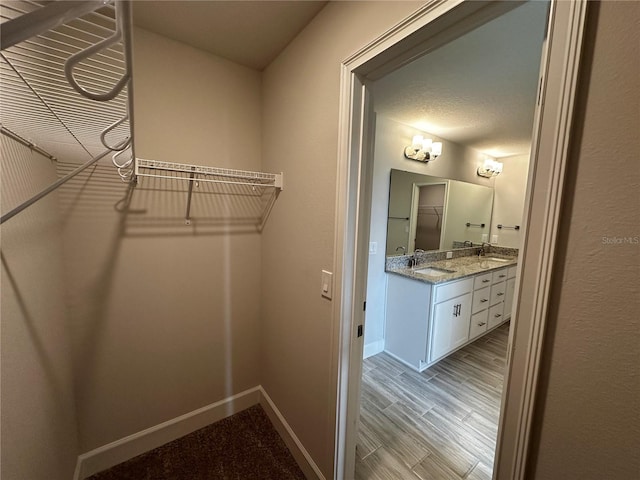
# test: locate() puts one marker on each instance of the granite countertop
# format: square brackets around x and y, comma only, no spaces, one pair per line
[460,267]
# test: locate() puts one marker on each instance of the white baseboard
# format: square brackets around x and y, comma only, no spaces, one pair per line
[301,455]
[131,446]
[373,348]
[128,447]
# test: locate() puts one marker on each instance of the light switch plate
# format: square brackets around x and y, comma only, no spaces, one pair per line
[326,285]
[494,239]
[449,255]
[485,237]
[373,248]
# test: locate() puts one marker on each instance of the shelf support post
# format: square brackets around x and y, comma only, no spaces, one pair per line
[187,219]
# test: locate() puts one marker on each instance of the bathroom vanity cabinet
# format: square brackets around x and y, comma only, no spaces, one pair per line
[426,322]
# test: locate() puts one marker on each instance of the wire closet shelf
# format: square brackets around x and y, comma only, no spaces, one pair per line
[67,93]
[200,173]
[194,175]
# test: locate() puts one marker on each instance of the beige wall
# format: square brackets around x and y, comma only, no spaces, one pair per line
[165,316]
[587,418]
[166,319]
[38,424]
[508,204]
[589,421]
[301,99]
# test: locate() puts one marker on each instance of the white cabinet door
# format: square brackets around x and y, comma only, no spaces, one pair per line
[449,326]
[508,297]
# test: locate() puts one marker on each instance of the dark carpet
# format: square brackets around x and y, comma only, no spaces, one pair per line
[244,446]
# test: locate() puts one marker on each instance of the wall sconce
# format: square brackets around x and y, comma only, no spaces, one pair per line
[423,149]
[490,168]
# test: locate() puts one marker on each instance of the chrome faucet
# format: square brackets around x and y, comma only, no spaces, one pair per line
[482,251]
[415,256]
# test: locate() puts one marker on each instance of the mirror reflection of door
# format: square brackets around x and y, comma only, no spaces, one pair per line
[427,215]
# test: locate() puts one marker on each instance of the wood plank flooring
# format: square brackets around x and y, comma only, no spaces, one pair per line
[440,424]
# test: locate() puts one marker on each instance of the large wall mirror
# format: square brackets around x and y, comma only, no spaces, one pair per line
[432,213]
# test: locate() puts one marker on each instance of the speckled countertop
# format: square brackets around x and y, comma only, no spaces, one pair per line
[460,267]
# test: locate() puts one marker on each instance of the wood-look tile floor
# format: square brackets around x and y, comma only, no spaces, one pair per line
[440,424]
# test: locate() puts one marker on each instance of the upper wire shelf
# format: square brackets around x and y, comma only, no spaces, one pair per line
[200,173]
[248,182]
[65,75]
[66,71]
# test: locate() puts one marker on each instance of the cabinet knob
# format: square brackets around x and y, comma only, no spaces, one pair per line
[501,276]
[482,324]
[500,294]
[485,281]
[484,300]
[498,315]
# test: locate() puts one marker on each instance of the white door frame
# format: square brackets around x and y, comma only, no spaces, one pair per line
[552,128]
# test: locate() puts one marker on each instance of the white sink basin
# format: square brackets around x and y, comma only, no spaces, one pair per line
[496,259]
[434,272]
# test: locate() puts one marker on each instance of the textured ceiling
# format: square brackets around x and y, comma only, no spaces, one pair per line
[478,90]
[251,33]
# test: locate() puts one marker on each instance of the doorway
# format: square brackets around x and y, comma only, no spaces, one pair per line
[427,216]
[549,145]
[443,421]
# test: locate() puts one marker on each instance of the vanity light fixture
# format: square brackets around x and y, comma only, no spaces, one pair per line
[490,168]
[423,149]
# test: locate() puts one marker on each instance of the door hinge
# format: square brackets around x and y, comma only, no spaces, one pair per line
[540,91]
[359,331]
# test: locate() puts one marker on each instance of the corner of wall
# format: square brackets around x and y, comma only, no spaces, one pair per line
[295,446]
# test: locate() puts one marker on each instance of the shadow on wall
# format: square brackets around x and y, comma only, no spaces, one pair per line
[168,207]
[87,203]
[33,327]
[148,303]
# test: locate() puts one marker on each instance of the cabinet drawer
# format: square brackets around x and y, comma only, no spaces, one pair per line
[481,281]
[481,299]
[496,315]
[498,293]
[499,276]
[452,289]
[479,323]
[511,271]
